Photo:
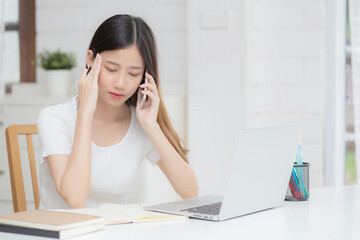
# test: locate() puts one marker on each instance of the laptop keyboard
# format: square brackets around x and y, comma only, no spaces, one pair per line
[210,209]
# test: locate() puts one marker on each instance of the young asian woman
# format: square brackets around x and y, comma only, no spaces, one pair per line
[92,146]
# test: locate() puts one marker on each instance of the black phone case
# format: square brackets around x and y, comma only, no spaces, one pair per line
[143,80]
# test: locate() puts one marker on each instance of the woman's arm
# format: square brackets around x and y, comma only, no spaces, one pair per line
[72,173]
[179,173]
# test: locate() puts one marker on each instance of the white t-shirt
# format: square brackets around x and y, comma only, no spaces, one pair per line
[113,168]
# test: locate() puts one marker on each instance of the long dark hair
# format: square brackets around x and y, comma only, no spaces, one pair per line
[121,31]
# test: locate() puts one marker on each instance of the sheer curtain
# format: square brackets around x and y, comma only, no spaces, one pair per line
[2,31]
[354,14]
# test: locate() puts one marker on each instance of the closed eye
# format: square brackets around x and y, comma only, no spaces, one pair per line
[111,70]
[134,74]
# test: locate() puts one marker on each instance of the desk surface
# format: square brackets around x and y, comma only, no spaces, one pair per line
[331,213]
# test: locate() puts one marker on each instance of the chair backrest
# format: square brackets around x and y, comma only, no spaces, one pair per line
[16,176]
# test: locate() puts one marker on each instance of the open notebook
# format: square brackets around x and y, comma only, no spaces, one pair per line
[116,214]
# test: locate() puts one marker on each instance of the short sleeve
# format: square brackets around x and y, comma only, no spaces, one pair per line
[153,156]
[55,133]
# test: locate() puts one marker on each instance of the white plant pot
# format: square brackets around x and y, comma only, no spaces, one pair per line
[57,82]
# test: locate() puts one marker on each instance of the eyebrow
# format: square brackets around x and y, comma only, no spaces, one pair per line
[116,64]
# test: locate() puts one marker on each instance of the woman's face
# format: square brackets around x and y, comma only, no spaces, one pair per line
[120,74]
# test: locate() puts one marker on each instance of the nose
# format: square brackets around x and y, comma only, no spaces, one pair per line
[119,81]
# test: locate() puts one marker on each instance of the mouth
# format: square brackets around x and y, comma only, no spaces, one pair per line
[115,95]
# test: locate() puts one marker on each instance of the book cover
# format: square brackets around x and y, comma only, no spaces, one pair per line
[51,224]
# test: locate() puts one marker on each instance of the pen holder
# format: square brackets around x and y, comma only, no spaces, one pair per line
[298,189]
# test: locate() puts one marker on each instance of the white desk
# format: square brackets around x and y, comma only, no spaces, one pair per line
[331,213]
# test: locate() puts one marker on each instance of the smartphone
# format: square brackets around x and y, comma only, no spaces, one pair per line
[144,97]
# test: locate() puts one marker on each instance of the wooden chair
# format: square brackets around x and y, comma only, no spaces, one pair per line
[16,176]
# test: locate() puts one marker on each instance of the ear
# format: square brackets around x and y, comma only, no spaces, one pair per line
[89,58]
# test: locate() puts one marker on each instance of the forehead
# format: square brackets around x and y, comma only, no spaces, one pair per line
[129,56]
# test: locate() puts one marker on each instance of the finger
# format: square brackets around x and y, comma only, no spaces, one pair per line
[138,97]
[151,81]
[149,87]
[83,74]
[95,64]
[98,67]
[95,69]
[82,79]
[98,60]
[150,95]
[150,78]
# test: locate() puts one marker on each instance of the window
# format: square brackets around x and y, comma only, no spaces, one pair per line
[19,42]
[350,161]
[11,55]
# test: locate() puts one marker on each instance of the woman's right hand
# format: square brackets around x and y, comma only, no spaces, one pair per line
[88,87]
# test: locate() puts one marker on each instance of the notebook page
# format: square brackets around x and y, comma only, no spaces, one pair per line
[136,213]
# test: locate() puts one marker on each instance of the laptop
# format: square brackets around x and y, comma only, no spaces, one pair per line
[258,180]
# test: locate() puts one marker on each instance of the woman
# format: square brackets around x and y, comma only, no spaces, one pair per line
[93,144]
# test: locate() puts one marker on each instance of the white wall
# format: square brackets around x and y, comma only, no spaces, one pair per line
[284,74]
[254,63]
[216,88]
[70,25]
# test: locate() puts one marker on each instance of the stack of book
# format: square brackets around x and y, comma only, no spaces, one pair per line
[51,224]
[63,224]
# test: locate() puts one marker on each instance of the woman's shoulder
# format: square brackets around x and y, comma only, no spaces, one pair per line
[62,110]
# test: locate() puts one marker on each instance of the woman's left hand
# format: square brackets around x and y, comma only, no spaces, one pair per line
[147,114]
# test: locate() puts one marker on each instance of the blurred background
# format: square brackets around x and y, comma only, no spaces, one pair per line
[224,66]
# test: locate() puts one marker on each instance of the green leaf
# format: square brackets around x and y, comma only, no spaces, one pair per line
[57,60]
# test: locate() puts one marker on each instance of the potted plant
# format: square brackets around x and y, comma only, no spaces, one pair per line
[57,65]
